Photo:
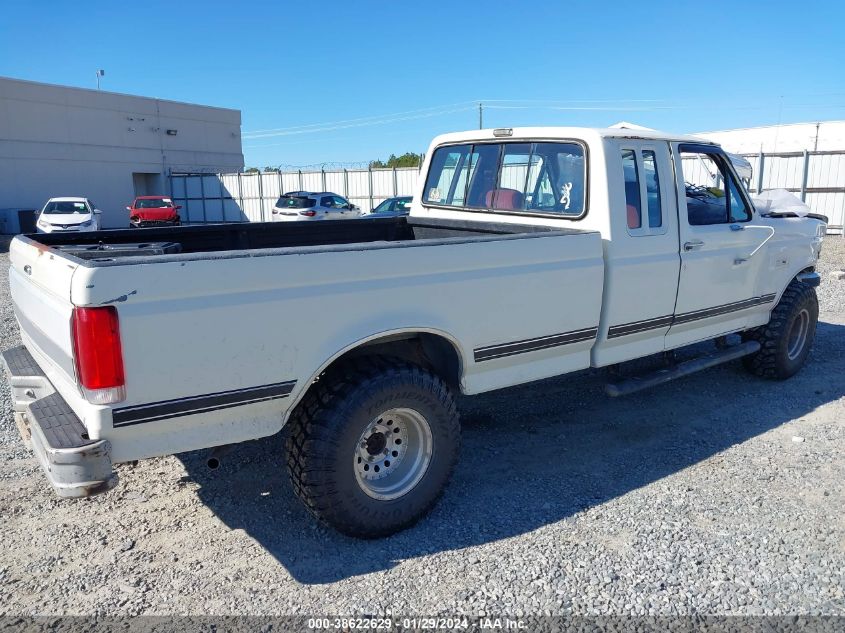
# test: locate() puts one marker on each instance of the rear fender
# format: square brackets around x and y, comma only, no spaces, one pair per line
[385,336]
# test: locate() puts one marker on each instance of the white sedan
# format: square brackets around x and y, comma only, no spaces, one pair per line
[68,214]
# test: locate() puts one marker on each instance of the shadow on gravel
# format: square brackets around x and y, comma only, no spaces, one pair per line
[532,456]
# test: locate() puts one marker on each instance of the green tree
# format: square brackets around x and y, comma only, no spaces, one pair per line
[271,170]
[408,159]
[252,170]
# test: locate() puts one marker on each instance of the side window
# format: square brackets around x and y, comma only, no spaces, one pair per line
[643,206]
[652,189]
[737,211]
[326,201]
[712,194]
[339,202]
[633,204]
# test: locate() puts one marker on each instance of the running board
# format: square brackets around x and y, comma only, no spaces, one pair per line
[637,383]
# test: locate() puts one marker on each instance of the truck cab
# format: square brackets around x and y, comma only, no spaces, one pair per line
[687,256]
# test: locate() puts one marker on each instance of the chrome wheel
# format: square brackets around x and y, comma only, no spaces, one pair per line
[798,335]
[393,453]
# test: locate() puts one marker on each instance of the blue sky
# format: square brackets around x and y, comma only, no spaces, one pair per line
[352,81]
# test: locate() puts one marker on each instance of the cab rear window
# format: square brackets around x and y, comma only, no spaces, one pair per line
[543,178]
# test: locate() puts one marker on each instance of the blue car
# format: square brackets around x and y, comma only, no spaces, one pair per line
[392,208]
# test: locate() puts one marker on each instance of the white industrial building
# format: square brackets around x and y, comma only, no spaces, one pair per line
[64,141]
[821,136]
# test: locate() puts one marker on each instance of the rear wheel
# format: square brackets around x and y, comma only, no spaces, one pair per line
[786,340]
[373,445]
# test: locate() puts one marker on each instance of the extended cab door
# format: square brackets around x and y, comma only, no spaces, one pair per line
[716,291]
[642,261]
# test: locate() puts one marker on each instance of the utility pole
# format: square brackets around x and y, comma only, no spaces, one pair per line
[480,116]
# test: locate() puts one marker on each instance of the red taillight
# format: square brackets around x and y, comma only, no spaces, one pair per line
[309,214]
[97,354]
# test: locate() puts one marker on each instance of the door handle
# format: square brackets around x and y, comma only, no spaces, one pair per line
[693,245]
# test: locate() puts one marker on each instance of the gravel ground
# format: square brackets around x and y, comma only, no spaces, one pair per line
[718,494]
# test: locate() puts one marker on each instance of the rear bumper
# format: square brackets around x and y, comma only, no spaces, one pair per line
[75,465]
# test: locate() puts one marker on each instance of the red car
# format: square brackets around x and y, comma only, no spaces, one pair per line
[153,211]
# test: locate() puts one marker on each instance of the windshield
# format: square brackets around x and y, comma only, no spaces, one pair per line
[384,207]
[65,206]
[295,202]
[394,205]
[155,203]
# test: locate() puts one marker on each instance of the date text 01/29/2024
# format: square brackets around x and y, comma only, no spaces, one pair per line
[460,623]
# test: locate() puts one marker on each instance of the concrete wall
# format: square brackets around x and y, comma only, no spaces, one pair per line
[62,141]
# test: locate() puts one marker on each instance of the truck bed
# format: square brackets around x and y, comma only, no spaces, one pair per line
[246,309]
[166,242]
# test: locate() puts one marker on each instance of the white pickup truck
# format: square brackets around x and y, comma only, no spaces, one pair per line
[528,253]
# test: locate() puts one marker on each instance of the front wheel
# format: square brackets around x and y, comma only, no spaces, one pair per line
[373,445]
[785,341]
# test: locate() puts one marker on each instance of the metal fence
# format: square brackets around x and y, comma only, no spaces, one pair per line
[250,196]
[817,177]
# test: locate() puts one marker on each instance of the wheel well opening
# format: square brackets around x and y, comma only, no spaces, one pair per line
[431,351]
[434,352]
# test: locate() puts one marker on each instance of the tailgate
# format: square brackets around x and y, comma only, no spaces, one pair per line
[40,284]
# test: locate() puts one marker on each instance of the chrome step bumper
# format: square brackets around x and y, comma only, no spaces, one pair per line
[75,465]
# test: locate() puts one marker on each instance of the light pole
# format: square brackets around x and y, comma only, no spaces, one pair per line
[100,73]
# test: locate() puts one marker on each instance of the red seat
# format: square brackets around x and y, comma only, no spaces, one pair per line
[504,199]
[634,221]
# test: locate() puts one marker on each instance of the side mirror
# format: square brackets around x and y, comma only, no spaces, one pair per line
[178,206]
[97,212]
[128,208]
